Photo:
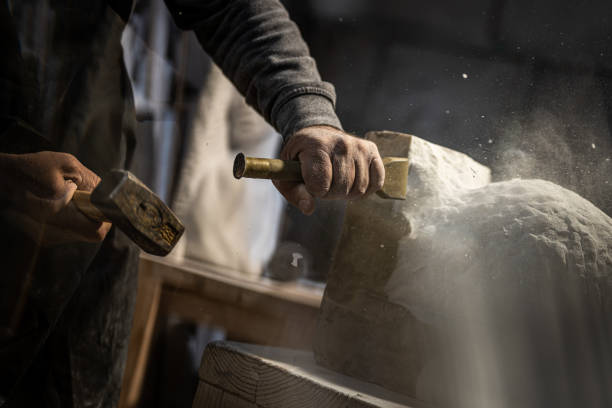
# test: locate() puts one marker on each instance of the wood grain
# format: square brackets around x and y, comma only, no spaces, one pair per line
[208,396]
[283,378]
[233,401]
[230,370]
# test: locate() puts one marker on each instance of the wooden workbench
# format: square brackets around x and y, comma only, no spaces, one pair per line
[237,375]
[250,309]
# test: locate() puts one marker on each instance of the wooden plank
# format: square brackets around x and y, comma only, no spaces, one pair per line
[278,388]
[208,396]
[233,401]
[145,317]
[231,371]
[275,377]
[250,309]
[188,272]
[275,323]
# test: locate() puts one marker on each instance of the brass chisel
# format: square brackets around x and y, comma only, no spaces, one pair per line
[396,172]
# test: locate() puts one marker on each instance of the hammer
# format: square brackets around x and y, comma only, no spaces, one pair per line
[125,201]
[396,173]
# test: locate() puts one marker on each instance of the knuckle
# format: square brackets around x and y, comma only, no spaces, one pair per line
[89,179]
[318,186]
[365,145]
[68,160]
[341,147]
[373,149]
[318,174]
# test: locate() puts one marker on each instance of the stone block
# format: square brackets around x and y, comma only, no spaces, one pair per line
[360,333]
[472,293]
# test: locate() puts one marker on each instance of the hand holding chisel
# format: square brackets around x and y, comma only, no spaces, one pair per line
[325,162]
[396,172]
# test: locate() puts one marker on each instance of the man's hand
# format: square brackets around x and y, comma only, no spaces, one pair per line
[334,165]
[39,187]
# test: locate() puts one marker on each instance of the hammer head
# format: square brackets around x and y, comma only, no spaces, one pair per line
[138,212]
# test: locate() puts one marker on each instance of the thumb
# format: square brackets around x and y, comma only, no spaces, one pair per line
[297,195]
[42,208]
[64,200]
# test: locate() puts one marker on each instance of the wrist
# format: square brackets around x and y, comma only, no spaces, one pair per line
[322,127]
[305,111]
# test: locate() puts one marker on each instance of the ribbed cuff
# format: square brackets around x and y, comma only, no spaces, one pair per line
[303,110]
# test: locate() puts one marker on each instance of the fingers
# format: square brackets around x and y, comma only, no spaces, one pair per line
[74,170]
[317,171]
[296,194]
[362,178]
[377,174]
[81,228]
[70,188]
[334,165]
[343,173]
[51,234]
[69,225]
[89,179]
[43,186]
[41,208]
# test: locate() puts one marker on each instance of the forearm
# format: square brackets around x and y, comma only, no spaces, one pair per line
[261,50]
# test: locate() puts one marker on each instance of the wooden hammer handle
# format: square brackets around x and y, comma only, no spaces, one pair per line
[273,169]
[82,200]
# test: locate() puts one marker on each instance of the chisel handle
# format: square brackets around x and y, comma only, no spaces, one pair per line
[272,169]
[82,200]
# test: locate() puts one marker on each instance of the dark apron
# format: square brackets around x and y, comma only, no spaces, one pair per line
[65,311]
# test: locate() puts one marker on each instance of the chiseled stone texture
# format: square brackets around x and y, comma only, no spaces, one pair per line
[356,318]
[517,277]
[473,293]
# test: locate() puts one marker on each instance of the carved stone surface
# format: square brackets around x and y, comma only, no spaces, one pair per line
[472,293]
[359,331]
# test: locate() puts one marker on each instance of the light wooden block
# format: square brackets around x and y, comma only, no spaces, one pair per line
[235,375]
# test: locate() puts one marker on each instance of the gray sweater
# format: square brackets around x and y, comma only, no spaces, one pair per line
[261,50]
[56,85]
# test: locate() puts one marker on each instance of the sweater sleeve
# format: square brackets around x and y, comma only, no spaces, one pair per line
[262,52]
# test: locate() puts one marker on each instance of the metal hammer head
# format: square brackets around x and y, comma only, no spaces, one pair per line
[138,212]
